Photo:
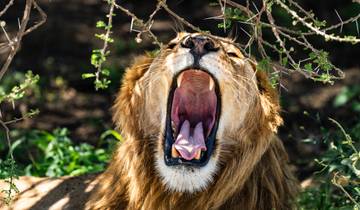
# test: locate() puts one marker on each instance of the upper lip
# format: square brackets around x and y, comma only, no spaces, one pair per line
[211,134]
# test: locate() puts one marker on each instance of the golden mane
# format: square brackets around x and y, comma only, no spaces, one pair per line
[255,175]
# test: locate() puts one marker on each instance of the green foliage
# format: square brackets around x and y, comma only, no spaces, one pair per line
[18,91]
[11,93]
[231,14]
[8,172]
[319,62]
[41,153]
[324,197]
[338,182]
[339,179]
[54,154]
[347,95]
[265,65]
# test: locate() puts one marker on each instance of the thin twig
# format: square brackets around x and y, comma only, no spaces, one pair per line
[352,19]
[341,21]
[106,39]
[42,20]
[144,27]
[7,37]
[7,136]
[347,136]
[26,116]
[307,14]
[197,29]
[315,29]
[334,181]
[277,36]
[18,37]
[7,6]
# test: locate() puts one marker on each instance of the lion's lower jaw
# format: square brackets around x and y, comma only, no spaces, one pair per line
[184,179]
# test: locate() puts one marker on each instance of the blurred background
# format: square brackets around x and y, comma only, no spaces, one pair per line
[70,108]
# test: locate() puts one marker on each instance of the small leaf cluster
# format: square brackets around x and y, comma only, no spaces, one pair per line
[319,62]
[8,172]
[265,65]
[17,92]
[99,57]
[231,14]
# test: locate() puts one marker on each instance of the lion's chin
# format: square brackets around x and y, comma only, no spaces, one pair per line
[188,179]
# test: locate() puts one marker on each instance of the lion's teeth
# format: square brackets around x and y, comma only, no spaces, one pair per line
[198,155]
[211,84]
[173,126]
[179,79]
[174,153]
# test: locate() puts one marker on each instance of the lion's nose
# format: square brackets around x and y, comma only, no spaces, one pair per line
[199,45]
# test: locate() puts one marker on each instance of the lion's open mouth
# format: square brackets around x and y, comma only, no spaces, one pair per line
[192,118]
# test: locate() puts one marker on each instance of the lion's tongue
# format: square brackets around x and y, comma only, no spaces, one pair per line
[188,143]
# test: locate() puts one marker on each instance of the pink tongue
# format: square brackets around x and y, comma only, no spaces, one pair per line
[188,145]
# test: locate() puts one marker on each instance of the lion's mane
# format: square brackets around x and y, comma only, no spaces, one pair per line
[255,177]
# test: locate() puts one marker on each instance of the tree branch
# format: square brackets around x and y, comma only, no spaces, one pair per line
[18,37]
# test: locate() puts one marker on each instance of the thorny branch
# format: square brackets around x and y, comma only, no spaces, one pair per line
[7,6]
[16,41]
[13,44]
[283,35]
[314,29]
[145,27]
[106,39]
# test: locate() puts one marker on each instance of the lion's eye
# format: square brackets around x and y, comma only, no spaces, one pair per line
[171,46]
[232,54]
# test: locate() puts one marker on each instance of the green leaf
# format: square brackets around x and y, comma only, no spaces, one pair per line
[226,24]
[87,75]
[111,133]
[308,67]
[284,61]
[356,106]
[105,72]
[264,65]
[342,98]
[319,24]
[100,24]
[104,38]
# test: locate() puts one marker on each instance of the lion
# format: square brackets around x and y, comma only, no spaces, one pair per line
[200,123]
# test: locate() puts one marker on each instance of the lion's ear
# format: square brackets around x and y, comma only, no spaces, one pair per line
[269,100]
[130,99]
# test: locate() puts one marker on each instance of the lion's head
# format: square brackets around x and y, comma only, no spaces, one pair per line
[198,119]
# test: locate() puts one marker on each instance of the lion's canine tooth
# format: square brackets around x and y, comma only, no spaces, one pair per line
[179,80]
[173,126]
[174,153]
[211,84]
[174,130]
[198,155]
